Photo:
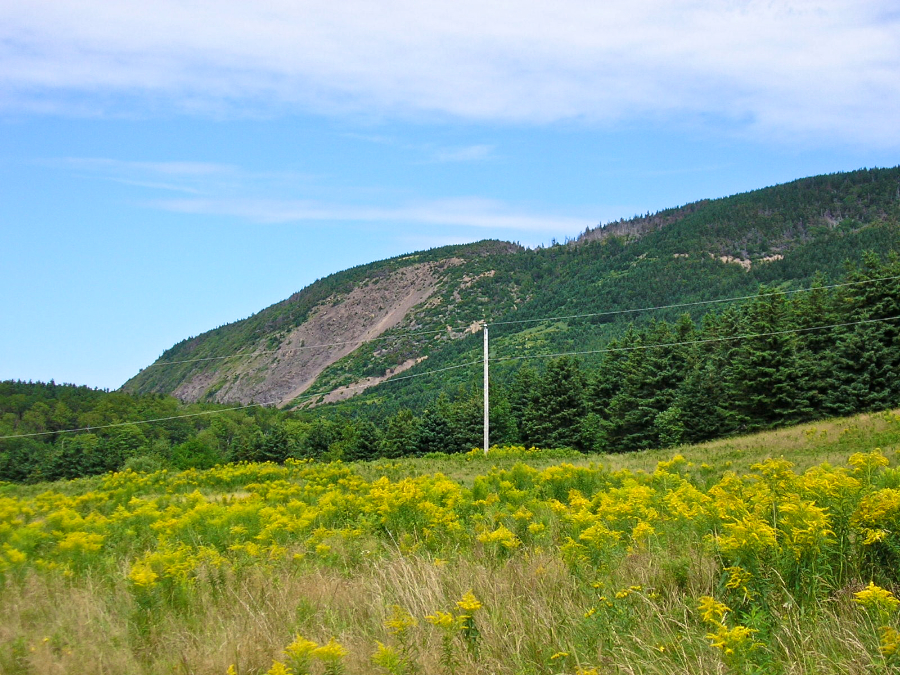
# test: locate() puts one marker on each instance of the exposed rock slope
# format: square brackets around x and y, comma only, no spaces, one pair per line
[339,324]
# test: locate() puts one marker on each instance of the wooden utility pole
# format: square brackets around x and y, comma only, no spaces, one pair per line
[487,398]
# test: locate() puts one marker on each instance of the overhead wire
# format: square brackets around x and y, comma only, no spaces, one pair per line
[690,304]
[304,398]
[300,348]
[519,321]
[691,342]
[388,381]
[126,424]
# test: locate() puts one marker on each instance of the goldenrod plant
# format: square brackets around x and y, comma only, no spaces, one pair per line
[535,565]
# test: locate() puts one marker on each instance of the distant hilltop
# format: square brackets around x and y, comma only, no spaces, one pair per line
[355,329]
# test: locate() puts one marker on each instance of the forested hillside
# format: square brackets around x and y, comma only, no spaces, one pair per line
[775,359]
[419,312]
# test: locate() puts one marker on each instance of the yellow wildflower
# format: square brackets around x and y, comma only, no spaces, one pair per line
[278,668]
[469,603]
[83,542]
[13,555]
[502,535]
[330,652]
[866,462]
[738,578]
[749,534]
[877,599]
[890,641]
[874,536]
[642,531]
[711,610]
[732,640]
[299,652]
[400,621]
[142,575]
[443,620]
[388,658]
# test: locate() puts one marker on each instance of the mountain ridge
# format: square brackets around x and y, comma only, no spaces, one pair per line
[421,307]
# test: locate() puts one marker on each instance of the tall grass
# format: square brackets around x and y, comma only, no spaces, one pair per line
[722,558]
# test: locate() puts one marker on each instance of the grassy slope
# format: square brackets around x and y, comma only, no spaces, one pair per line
[537,611]
[829,441]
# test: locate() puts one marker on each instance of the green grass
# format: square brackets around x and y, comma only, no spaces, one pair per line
[553,601]
[829,441]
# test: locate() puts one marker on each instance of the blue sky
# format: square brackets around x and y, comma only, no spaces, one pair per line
[166,168]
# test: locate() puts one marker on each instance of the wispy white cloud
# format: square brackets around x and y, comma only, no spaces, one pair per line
[819,70]
[433,153]
[119,167]
[466,212]
[157,186]
[470,153]
[192,177]
[232,191]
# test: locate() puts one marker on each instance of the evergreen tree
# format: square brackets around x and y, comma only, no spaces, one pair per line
[466,418]
[556,421]
[523,400]
[698,400]
[435,434]
[650,378]
[866,356]
[401,435]
[814,346]
[764,369]
[363,441]
[271,445]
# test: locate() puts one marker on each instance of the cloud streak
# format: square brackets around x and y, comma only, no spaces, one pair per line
[231,191]
[465,212]
[471,153]
[179,176]
[821,70]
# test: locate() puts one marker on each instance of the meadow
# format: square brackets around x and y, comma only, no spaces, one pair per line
[772,553]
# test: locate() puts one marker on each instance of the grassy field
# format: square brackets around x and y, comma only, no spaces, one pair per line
[772,553]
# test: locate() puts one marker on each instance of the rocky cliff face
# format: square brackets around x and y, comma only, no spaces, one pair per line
[277,356]
[334,328]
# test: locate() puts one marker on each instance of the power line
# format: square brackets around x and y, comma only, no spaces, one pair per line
[693,342]
[517,321]
[462,365]
[297,349]
[389,381]
[242,407]
[503,358]
[691,304]
[125,424]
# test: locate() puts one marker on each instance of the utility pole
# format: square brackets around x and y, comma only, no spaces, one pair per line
[487,399]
